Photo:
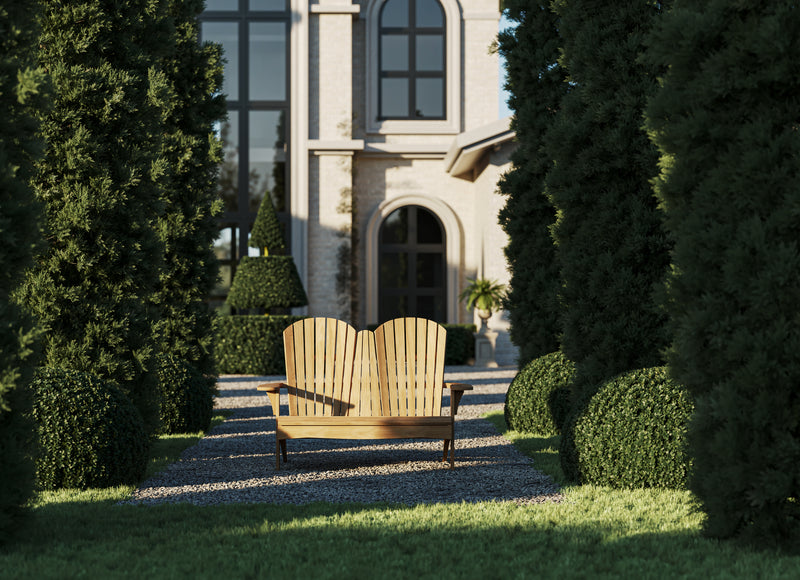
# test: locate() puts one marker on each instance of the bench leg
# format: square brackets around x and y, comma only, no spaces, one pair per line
[446,446]
[280,449]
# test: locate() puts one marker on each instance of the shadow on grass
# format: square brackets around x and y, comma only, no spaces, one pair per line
[489,540]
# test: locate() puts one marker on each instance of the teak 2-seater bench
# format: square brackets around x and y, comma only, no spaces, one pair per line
[344,384]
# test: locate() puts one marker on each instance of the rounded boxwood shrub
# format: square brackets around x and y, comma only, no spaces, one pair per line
[538,398]
[90,433]
[187,397]
[633,432]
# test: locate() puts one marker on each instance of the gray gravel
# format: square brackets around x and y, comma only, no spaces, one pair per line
[235,462]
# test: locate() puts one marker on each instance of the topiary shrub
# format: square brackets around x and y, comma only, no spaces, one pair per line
[187,397]
[90,433]
[633,432]
[460,346]
[252,344]
[538,398]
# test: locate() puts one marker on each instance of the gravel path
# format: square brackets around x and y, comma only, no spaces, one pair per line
[235,462]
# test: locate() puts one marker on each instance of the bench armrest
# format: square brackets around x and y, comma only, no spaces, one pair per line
[273,391]
[456,392]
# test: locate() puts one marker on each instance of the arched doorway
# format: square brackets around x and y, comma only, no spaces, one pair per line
[412,265]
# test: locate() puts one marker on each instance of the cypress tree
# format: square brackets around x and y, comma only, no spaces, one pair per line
[187,228]
[20,93]
[727,121]
[536,85]
[609,233]
[91,288]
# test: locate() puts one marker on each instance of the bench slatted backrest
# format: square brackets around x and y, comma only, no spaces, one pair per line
[410,353]
[366,394]
[320,356]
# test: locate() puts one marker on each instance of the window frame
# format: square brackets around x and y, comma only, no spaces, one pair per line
[412,32]
[450,123]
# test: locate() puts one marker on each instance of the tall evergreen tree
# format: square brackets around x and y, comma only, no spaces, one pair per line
[20,92]
[536,85]
[727,121]
[91,288]
[609,234]
[187,227]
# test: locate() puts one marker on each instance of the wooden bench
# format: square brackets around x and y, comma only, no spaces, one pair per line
[344,384]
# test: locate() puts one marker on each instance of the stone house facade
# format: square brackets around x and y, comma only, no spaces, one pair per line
[373,124]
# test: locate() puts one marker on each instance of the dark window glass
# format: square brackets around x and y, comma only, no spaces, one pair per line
[268,5]
[429,230]
[429,270]
[394,97]
[394,52]
[267,157]
[411,265]
[229,169]
[430,53]
[229,5]
[429,14]
[430,98]
[267,61]
[411,60]
[394,14]
[254,38]
[395,227]
[226,34]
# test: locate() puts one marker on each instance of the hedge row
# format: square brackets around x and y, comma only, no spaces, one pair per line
[253,344]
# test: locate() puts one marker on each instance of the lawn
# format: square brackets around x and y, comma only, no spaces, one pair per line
[595,533]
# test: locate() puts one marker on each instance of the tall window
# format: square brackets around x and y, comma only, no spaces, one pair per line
[411,60]
[412,265]
[254,35]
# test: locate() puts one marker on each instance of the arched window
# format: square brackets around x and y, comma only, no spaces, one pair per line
[412,60]
[412,265]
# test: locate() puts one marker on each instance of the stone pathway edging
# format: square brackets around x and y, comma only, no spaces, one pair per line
[235,462]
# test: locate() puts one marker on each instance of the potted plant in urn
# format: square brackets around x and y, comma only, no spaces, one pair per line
[485,296]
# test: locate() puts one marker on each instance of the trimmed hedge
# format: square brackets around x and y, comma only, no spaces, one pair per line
[633,432]
[251,344]
[267,282]
[460,346]
[187,397]
[537,400]
[90,433]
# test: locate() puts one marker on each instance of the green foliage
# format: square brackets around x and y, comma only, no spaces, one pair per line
[537,84]
[633,432]
[267,234]
[98,180]
[251,345]
[726,121]
[187,397]
[460,345]
[611,244]
[484,294]
[267,282]
[21,93]
[538,398]
[90,433]
[187,227]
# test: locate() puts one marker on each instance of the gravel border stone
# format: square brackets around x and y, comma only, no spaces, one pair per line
[235,461]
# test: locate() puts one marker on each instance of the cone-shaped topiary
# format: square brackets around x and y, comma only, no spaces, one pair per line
[267,234]
[267,281]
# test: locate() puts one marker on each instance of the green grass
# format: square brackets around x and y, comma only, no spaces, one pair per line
[594,533]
